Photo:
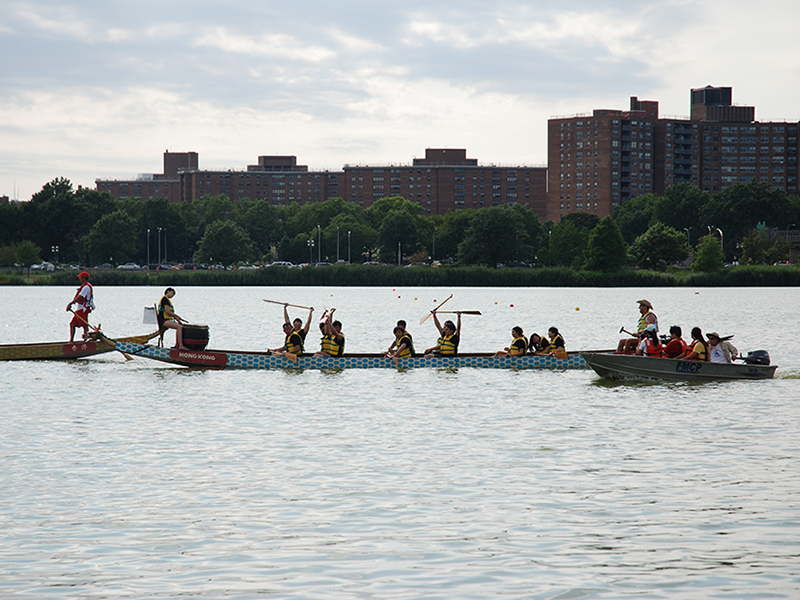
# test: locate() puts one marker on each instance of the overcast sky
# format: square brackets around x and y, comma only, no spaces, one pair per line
[100,88]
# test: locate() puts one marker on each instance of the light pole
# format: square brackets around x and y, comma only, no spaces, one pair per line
[721,242]
[165,244]
[688,237]
[148,250]
[348,247]
[310,244]
[337,244]
[54,250]
[399,254]
[319,244]
[159,248]
[433,247]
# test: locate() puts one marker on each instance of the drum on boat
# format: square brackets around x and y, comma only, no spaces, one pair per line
[195,337]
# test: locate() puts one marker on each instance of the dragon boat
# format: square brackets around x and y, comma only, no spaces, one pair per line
[96,344]
[227,359]
[627,366]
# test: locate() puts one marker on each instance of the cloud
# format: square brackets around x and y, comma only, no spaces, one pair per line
[268,45]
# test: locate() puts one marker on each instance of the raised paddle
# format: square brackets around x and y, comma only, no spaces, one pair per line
[428,316]
[456,312]
[287,304]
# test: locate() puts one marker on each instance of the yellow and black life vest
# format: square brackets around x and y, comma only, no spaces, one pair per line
[643,321]
[331,347]
[408,350]
[519,346]
[448,345]
[294,343]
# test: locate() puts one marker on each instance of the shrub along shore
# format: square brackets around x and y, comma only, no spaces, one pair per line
[357,275]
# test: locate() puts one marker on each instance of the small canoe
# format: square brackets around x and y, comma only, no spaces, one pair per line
[261,360]
[628,366]
[65,350]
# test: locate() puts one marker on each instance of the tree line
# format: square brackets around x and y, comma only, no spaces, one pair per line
[744,223]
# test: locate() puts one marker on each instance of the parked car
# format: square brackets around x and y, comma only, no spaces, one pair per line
[280,263]
[129,266]
[104,266]
[44,266]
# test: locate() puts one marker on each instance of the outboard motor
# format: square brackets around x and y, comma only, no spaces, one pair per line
[757,357]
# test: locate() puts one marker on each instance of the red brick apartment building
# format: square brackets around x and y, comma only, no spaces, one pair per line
[598,161]
[447,180]
[444,180]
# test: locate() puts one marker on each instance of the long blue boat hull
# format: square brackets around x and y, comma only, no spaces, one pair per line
[261,360]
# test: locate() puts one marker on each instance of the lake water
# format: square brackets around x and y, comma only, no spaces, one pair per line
[134,479]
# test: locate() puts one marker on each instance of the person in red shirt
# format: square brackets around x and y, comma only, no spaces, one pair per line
[676,346]
[84,298]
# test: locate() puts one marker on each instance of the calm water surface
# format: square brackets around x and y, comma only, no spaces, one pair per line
[139,480]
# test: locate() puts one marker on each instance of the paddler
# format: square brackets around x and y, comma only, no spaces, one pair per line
[333,338]
[168,319]
[557,345]
[293,344]
[297,324]
[84,298]
[519,344]
[646,317]
[449,337]
[403,346]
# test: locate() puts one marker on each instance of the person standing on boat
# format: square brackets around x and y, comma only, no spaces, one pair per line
[449,338]
[293,344]
[519,344]
[297,324]
[168,319]
[403,346]
[84,298]
[646,317]
[699,347]
[676,346]
[333,338]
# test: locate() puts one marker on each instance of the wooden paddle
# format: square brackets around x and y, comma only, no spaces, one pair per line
[455,312]
[428,316]
[623,330]
[97,331]
[287,304]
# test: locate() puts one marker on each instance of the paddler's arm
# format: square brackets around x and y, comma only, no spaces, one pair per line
[436,322]
[308,320]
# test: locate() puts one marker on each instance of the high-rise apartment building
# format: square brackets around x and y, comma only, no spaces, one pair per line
[598,161]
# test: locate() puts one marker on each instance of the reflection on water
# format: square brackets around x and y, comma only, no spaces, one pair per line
[136,479]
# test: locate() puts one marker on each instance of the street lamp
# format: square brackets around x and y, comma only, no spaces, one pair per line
[721,241]
[688,236]
[337,244]
[54,250]
[165,244]
[319,244]
[159,248]
[148,250]
[310,244]
[348,247]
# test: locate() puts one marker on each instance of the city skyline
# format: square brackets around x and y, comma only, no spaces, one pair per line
[92,90]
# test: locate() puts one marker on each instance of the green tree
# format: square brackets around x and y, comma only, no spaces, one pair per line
[224,243]
[658,247]
[112,239]
[635,216]
[398,227]
[568,244]
[495,235]
[682,207]
[450,232]
[709,255]
[28,254]
[606,248]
